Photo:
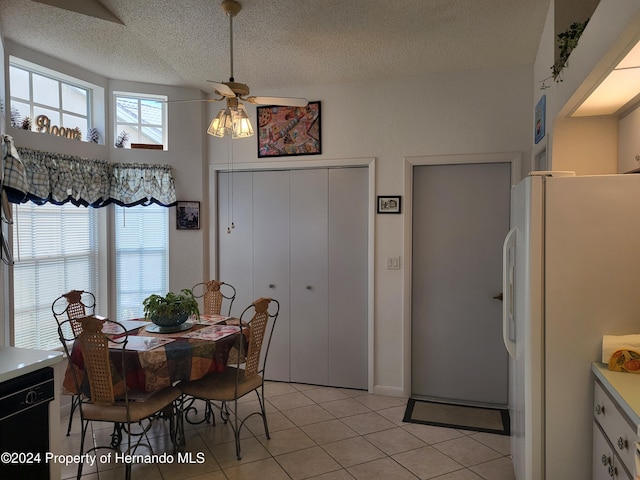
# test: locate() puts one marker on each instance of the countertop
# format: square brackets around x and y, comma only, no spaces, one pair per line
[19,361]
[625,388]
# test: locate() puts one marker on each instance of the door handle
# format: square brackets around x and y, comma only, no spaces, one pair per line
[499,296]
[508,271]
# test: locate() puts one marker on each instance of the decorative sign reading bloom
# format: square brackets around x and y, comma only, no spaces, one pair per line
[43,125]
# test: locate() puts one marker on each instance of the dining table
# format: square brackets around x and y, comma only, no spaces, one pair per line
[155,358]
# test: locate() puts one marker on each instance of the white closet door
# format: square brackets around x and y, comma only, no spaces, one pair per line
[309,298]
[348,240]
[271,260]
[235,205]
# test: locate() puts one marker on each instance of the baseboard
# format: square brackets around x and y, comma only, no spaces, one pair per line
[388,391]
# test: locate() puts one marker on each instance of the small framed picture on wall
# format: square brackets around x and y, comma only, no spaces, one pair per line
[389,204]
[539,125]
[188,215]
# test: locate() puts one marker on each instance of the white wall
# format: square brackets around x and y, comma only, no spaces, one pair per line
[481,111]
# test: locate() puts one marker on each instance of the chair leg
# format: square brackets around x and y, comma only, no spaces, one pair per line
[84,426]
[263,412]
[236,429]
[176,426]
[74,403]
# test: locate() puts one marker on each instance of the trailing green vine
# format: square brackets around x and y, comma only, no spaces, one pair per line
[567,41]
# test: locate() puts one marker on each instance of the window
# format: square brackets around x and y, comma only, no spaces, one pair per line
[36,92]
[55,250]
[141,118]
[141,257]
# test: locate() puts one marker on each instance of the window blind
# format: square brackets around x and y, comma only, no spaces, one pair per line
[141,257]
[55,250]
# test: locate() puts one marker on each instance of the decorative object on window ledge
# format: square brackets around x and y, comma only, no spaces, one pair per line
[123,138]
[16,118]
[147,146]
[285,131]
[26,123]
[58,178]
[389,204]
[43,125]
[93,135]
[188,215]
[567,41]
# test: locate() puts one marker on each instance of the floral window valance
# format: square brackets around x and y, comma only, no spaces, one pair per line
[59,178]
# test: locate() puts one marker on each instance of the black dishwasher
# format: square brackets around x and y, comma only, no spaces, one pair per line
[24,425]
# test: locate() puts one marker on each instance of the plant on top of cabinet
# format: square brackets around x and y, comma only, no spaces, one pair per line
[567,41]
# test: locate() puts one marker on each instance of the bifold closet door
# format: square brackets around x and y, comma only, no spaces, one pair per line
[235,206]
[348,274]
[271,260]
[301,237]
[254,256]
[309,276]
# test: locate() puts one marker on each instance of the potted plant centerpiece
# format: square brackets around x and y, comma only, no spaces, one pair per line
[171,310]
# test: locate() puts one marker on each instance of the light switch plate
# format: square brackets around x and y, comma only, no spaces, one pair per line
[393,263]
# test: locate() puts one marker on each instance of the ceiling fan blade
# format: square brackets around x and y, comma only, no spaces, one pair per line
[281,101]
[195,100]
[223,89]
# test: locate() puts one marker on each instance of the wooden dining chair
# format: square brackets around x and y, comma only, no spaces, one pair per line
[99,401]
[71,306]
[214,293]
[247,375]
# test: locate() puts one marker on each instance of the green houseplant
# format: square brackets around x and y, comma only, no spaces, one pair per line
[171,309]
[566,42]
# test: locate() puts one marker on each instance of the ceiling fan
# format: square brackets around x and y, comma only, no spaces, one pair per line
[233,91]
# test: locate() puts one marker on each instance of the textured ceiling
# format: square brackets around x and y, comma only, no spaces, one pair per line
[277,43]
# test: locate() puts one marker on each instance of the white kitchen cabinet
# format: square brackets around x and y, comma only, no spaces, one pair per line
[629,142]
[606,463]
[616,406]
[300,237]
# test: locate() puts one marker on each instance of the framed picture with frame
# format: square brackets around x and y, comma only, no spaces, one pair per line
[539,126]
[287,131]
[188,215]
[389,204]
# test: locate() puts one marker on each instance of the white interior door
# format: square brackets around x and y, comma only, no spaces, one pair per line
[348,269]
[235,206]
[460,219]
[309,300]
[271,260]
[301,237]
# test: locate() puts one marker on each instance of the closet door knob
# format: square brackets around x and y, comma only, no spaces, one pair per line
[309,287]
[271,285]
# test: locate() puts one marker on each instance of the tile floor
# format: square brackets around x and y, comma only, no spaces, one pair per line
[321,433]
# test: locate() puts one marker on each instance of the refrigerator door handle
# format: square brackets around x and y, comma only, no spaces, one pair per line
[508,259]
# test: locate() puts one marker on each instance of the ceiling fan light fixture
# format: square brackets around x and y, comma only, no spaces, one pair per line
[241,124]
[221,124]
[231,121]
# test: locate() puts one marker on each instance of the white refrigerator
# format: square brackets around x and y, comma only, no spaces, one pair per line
[571,275]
